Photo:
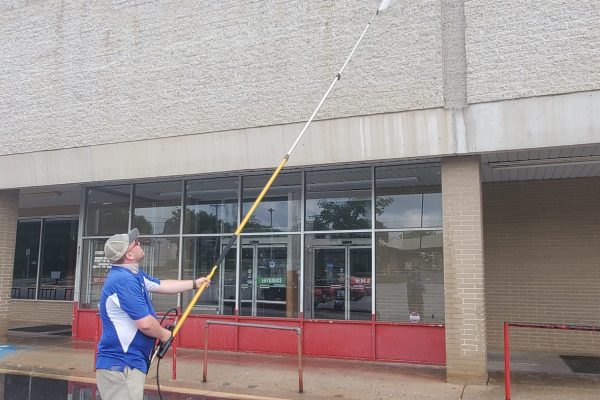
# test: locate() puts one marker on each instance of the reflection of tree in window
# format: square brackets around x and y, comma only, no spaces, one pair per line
[351,214]
[348,215]
[200,222]
[142,223]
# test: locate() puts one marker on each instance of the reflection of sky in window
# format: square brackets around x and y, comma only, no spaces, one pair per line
[281,208]
[276,209]
[405,211]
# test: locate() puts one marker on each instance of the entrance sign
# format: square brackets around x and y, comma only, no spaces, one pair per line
[271,280]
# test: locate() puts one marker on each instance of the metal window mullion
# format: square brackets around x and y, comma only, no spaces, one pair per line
[79,259]
[302,240]
[238,250]
[38,278]
[131,210]
[52,217]
[332,232]
[432,228]
[180,258]
[347,271]
[254,278]
[422,207]
[373,242]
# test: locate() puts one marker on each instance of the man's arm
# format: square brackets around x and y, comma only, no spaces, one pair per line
[175,286]
[150,327]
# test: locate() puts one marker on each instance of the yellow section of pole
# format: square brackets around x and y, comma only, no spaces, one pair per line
[237,234]
[260,196]
[192,303]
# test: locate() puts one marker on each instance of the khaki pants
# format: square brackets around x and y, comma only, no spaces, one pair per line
[126,385]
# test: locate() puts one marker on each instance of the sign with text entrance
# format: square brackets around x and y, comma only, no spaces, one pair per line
[271,280]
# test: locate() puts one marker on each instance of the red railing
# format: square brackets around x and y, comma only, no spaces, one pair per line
[568,327]
[296,329]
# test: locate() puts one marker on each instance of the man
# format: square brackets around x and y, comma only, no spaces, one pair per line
[129,325]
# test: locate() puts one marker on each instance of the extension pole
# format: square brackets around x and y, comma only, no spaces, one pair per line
[162,349]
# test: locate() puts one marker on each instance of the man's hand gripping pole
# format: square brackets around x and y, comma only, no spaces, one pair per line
[164,347]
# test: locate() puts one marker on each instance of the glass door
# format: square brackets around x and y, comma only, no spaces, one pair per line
[247,274]
[358,286]
[329,283]
[263,280]
[342,283]
[271,281]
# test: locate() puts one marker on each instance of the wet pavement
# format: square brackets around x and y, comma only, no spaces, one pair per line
[55,366]
[24,387]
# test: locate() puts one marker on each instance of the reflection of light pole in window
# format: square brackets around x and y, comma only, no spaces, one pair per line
[216,206]
[271,210]
[27,253]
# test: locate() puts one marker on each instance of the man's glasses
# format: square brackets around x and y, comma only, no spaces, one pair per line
[140,242]
[136,243]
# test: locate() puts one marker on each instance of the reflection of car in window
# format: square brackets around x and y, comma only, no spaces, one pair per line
[327,290]
[359,287]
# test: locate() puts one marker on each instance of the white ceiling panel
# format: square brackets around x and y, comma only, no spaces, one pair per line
[539,164]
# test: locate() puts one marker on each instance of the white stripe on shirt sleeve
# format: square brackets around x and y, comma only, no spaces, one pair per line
[150,285]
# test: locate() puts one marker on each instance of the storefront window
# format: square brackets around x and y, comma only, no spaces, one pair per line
[211,205]
[279,211]
[59,252]
[338,199]
[107,210]
[408,196]
[410,276]
[157,208]
[26,259]
[338,276]
[162,262]
[199,257]
[51,277]
[260,274]
[94,268]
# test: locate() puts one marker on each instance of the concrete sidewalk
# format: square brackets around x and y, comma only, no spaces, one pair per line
[255,376]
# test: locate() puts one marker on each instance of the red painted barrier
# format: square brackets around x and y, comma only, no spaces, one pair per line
[358,340]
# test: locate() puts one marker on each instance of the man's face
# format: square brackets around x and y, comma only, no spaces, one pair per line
[135,252]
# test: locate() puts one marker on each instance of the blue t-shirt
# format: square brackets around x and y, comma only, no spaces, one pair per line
[125,298]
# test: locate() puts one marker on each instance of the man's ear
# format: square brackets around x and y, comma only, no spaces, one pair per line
[128,255]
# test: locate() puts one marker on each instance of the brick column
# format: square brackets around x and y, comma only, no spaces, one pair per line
[9,207]
[464,293]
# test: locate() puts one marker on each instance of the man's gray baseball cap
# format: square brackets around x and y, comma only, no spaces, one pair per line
[116,245]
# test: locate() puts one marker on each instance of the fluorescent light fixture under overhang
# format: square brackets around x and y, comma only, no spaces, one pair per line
[547,162]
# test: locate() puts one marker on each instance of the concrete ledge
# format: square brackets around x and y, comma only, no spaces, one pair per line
[540,122]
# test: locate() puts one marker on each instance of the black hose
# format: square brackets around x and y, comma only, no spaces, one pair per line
[157,343]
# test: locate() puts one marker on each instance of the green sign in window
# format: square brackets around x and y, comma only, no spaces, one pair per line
[271,280]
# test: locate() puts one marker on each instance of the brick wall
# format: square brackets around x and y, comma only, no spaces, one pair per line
[41,312]
[524,48]
[9,204]
[542,262]
[466,349]
[83,73]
